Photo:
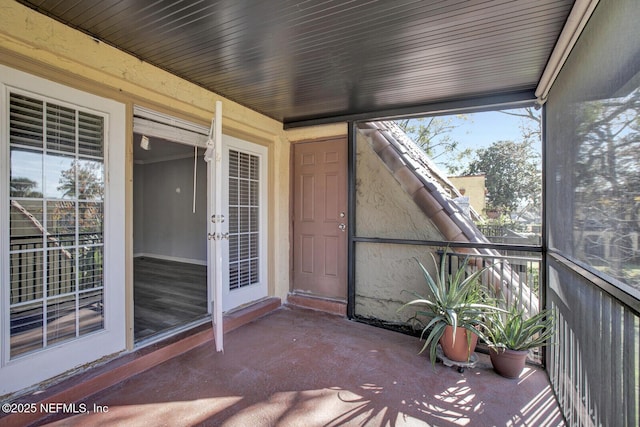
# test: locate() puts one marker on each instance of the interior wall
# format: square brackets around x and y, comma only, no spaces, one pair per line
[138,209]
[164,223]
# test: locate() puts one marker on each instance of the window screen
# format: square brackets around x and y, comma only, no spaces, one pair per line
[593,129]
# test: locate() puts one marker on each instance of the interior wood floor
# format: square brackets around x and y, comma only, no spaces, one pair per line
[167,294]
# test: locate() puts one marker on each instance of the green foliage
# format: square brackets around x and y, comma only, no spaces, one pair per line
[454,299]
[511,330]
[512,173]
[432,135]
[83,177]
[606,169]
[23,187]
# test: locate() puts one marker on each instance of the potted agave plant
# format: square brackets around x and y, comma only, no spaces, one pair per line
[510,335]
[455,309]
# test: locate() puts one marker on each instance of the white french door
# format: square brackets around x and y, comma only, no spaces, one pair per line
[62,193]
[244,193]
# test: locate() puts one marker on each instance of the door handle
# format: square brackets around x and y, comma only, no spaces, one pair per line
[342,226]
[218,236]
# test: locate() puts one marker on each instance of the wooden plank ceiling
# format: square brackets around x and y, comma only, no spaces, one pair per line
[327,59]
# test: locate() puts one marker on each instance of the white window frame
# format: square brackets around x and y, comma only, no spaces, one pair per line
[31,368]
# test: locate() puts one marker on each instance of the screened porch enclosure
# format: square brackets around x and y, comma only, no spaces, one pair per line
[408,211]
[348,65]
[592,172]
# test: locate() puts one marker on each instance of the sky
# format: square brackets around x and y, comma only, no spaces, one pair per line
[479,130]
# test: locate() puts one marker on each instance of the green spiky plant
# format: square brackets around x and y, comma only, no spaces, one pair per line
[512,330]
[456,299]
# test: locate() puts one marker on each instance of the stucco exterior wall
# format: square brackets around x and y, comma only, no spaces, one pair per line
[384,209]
[386,274]
[475,189]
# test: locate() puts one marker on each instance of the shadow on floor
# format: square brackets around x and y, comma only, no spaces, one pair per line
[297,367]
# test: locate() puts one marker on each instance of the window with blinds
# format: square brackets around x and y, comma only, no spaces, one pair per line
[56,192]
[244,215]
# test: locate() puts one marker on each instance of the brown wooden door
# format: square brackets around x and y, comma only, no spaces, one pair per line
[320,218]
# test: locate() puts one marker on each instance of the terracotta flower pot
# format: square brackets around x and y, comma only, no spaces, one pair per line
[461,351]
[508,363]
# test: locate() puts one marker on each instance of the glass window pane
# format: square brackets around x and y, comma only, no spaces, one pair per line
[91,311]
[243,192]
[91,135]
[90,180]
[244,220]
[90,267]
[25,121]
[253,218]
[26,328]
[233,163]
[233,219]
[245,279]
[253,244]
[233,191]
[61,271]
[26,173]
[244,246]
[61,223]
[26,276]
[253,193]
[234,276]
[243,165]
[233,247]
[25,225]
[255,168]
[90,223]
[61,319]
[61,129]
[254,271]
[59,176]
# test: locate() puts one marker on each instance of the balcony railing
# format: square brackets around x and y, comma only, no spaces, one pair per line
[513,280]
[594,361]
[27,272]
[516,276]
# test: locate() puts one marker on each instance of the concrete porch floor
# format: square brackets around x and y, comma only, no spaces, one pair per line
[296,367]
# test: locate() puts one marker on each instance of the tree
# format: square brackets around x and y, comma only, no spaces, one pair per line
[24,187]
[432,135]
[512,173]
[87,176]
[531,127]
[607,176]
